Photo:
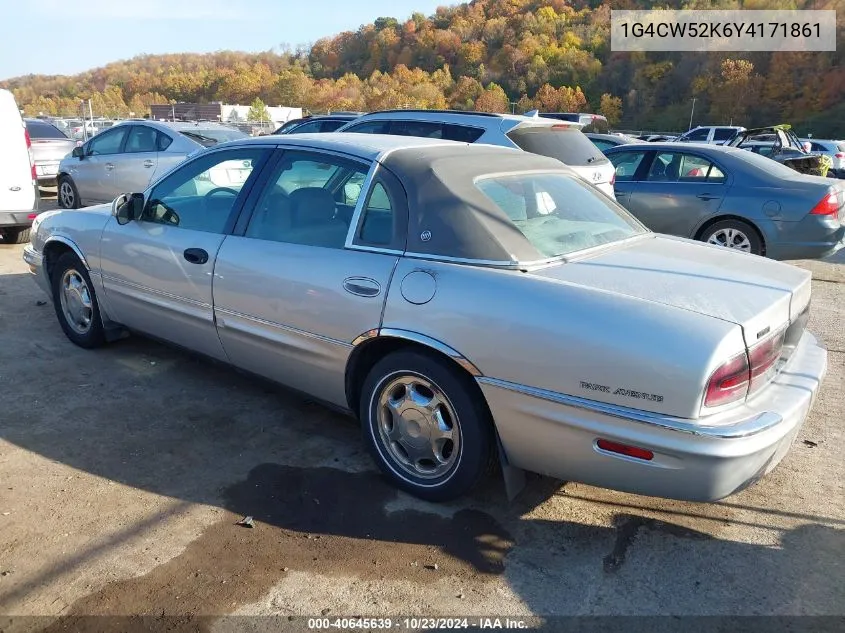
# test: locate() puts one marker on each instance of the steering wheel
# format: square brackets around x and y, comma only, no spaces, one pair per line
[217,190]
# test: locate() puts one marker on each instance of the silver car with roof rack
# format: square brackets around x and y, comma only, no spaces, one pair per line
[531,132]
[467,303]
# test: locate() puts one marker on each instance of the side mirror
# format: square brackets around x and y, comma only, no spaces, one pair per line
[78,152]
[128,207]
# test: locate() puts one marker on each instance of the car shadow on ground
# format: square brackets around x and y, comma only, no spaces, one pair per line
[159,420]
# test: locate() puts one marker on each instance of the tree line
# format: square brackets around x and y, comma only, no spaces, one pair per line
[490,55]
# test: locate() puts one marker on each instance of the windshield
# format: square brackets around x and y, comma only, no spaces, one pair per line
[40,129]
[566,143]
[212,136]
[558,213]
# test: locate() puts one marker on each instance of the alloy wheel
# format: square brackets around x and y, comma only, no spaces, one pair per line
[75,298]
[730,238]
[418,426]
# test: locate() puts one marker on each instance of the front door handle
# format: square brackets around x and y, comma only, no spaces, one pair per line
[109,166]
[195,255]
[362,286]
[148,163]
[706,196]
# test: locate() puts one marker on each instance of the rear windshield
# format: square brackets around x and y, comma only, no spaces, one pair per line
[564,142]
[840,147]
[558,213]
[210,137]
[40,129]
[767,165]
[564,116]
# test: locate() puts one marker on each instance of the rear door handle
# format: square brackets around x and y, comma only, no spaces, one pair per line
[706,196]
[148,163]
[195,255]
[362,286]
[109,166]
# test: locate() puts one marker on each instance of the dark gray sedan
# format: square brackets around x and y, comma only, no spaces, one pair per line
[730,197]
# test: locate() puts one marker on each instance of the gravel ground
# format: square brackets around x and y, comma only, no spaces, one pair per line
[123,473]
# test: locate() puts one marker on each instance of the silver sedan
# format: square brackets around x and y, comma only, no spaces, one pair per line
[130,155]
[468,303]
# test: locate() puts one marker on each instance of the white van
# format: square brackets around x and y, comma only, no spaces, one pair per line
[18,182]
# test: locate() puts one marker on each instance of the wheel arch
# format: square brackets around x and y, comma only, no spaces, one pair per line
[374,345]
[699,232]
[55,247]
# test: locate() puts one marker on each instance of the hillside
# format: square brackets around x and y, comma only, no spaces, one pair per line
[494,55]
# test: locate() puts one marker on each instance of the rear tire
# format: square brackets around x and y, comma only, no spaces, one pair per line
[733,234]
[68,194]
[15,236]
[76,303]
[426,425]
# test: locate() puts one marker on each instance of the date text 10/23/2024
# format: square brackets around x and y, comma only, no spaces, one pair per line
[418,623]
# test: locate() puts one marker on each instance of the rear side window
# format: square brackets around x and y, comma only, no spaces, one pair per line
[141,139]
[163,142]
[697,135]
[312,127]
[461,133]
[40,129]
[425,129]
[371,127]
[331,125]
[563,142]
[723,133]
[626,164]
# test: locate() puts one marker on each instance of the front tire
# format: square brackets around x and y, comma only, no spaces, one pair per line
[68,194]
[426,425]
[76,303]
[734,234]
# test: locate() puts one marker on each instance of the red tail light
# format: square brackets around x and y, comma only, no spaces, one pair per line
[729,383]
[745,373]
[839,155]
[31,157]
[624,449]
[828,205]
[763,357]
[613,178]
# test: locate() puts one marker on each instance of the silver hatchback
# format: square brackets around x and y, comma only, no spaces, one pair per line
[131,155]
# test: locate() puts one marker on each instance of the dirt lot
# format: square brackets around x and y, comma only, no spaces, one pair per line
[123,472]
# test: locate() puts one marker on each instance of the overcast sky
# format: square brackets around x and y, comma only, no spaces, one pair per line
[69,36]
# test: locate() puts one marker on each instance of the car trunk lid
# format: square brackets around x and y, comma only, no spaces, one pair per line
[758,294]
[51,149]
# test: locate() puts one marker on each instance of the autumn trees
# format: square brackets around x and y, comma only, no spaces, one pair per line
[495,55]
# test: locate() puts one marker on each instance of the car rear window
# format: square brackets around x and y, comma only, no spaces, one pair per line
[563,142]
[723,133]
[558,213]
[39,129]
[211,137]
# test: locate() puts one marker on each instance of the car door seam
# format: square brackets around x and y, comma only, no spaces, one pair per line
[387,293]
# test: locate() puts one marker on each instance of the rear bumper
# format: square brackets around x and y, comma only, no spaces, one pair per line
[16,218]
[47,172]
[814,237]
[703,460]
